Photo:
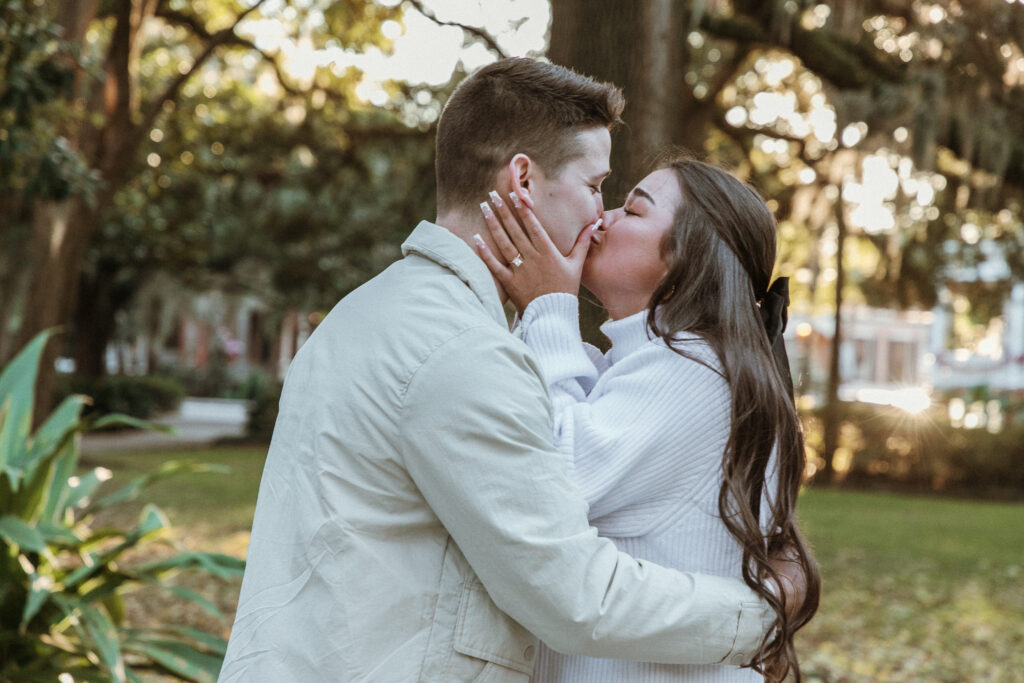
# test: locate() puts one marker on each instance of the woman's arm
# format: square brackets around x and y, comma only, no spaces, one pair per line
[646,430]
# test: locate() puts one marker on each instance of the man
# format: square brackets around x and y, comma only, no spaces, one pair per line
[414,521]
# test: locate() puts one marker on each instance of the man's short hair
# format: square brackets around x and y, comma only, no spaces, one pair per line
[514,106]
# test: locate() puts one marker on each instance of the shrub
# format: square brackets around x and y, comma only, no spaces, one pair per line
[139,396]
[893,449]
[62,581]
[263,394]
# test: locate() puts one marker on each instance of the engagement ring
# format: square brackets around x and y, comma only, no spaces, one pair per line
[517,261]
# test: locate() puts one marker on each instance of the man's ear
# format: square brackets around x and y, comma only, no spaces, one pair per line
[522,171]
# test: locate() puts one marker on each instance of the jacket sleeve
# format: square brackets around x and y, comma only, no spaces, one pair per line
[476,434]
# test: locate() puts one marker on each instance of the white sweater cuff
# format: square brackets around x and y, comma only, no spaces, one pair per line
[551,328]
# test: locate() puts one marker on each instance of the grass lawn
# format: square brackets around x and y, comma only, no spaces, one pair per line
[915,589]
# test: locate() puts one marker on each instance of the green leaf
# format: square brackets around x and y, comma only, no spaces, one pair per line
[223,566]
[192,596]
[214,644]
[103,586]
[97,632]
[84,487]
[168,469]
[207,641]
[61,422]
[152,520]
[39,592]
[16,532]
[179,658]
[50,483]
[120,419]
[103,634]
[58,534]
[17,394]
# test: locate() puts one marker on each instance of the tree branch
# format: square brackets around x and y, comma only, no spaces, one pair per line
[846,64]
[137,132]
[473,30]
[196,27]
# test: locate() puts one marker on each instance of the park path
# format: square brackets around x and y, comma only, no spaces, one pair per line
[198,422]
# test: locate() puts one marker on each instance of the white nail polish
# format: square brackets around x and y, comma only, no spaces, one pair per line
[515,200]
[495,199]
[597,224]
[486,209]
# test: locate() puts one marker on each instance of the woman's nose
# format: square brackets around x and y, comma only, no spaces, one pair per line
[611,216]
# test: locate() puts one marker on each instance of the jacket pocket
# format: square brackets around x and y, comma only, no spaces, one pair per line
[485,632]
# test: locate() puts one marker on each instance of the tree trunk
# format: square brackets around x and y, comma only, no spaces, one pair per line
[833,416]
[638,46]
[14,275]
[95,323]
[61,232]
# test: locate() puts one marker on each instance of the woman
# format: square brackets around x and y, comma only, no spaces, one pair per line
[683,437]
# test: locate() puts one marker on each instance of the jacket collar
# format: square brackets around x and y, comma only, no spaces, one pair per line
[439,245]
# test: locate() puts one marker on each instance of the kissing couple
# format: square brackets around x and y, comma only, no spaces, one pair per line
[447,500]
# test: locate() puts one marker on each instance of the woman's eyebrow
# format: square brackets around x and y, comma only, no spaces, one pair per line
[640,192]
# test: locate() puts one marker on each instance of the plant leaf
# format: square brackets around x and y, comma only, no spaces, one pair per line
[223,566]
[120,419]
[97,631]
[58,426]
[39,592]
[193,597]
[84,488]
[179,658]
[208,641]
[102,632]
[52,491]
[214,644]
[16,532]
[168,469]
[58,534]
[17,393]
[151,520]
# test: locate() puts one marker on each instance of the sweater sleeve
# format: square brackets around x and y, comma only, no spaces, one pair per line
[568,365]
[652,430]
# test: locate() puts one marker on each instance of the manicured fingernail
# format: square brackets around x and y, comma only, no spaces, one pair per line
[479,240]
[486,209]
[597,225]
[515,200]
[495,199]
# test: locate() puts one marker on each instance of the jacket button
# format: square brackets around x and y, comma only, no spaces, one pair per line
[528,652]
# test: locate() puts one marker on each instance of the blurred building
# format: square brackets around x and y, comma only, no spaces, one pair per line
[904,358]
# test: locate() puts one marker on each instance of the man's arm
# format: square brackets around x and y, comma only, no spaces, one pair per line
[477,435]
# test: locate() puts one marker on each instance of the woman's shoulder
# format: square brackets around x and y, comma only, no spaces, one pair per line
[688,347]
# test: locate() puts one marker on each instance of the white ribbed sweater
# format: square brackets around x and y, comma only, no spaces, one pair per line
[643,430]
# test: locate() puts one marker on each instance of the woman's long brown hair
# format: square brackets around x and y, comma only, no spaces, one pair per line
[720,253]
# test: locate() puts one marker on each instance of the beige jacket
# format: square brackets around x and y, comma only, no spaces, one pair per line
[415,523]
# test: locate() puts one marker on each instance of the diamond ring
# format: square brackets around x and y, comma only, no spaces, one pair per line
[517,261]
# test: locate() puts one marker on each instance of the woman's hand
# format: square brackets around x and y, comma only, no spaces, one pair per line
[535,266]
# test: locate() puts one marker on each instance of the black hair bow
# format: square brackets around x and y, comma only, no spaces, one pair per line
[775,316]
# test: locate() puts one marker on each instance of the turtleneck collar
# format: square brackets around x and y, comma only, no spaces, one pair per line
[626,335]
